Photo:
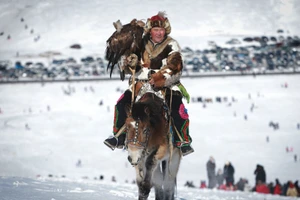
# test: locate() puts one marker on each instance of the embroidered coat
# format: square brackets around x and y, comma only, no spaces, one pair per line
[164,58]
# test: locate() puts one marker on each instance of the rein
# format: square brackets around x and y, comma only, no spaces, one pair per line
[133,86]
[169,127]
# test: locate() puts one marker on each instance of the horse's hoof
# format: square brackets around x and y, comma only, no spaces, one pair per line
[143,197]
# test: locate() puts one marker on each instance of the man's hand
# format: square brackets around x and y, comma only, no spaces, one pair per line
[128,64]
[157,81]
[152,83]
[132,60]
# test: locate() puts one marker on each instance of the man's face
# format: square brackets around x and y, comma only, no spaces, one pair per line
[157,34]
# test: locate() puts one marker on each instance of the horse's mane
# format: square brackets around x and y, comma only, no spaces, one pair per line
[150,107]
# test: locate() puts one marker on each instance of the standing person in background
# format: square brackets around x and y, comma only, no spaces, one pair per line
[220,178]
[229,174]
[297,187]
[260,174]
[271,187]
[211,172]
[240,185]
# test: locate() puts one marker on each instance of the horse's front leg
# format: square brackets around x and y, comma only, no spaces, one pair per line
[139,181]
[146,184]
[143,188]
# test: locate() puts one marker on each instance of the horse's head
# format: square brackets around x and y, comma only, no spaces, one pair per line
[144,127]
[138,131]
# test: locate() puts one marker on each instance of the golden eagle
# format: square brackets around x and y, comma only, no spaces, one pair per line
[124,42]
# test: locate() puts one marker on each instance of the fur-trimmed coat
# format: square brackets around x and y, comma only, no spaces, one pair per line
[164,57]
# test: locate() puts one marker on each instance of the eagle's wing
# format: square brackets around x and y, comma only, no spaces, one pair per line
[126,40]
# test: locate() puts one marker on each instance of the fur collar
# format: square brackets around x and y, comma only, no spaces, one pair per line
[154,50]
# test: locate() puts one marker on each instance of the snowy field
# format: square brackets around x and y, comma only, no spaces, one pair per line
[44,132]
[57,189]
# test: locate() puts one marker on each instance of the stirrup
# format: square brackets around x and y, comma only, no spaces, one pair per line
[186,150]
[109,145]
[111,142]
[116,141]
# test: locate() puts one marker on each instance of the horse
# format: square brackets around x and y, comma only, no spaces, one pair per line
[150,148]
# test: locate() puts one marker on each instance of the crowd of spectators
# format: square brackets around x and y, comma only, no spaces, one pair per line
[224,180]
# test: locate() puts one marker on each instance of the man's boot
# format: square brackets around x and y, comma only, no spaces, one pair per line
[115,142]
[186,150]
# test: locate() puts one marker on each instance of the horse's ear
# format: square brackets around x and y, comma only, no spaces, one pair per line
[147,110]
[128,110]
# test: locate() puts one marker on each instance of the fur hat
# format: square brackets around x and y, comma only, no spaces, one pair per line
[158,20]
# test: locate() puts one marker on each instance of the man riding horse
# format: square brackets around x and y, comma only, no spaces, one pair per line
[160,63]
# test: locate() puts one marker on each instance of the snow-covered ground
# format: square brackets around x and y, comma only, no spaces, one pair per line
[15,188]
[45,132]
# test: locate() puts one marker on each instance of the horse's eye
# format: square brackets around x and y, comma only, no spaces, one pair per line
[146,130]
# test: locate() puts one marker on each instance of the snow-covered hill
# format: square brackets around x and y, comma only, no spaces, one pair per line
[55,24]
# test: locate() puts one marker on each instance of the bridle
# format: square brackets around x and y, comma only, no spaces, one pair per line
[135,141]
[143,145]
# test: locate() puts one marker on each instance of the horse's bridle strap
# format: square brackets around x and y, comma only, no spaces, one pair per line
[135,141]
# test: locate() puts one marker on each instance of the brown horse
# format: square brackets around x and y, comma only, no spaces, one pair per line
[150,151]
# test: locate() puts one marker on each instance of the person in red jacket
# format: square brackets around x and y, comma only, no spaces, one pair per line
[262,188]
[203,184]
[278,187]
